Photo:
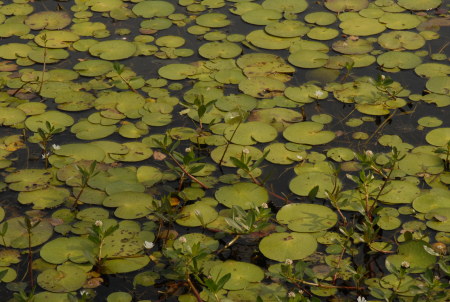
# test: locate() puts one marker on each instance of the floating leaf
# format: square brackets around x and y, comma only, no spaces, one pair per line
[246,195]
[307,218]
[283,246]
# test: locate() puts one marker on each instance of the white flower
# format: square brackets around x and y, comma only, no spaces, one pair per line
[56,147]
[369,153]
[299,157]
[361,299]
[98,223]
[318,93]
[187,150]
[182,239]
[46,155]
[300,292]
[83,292]
[245,151]
[405,264]
[291,295]
[264,205]
[383,77]
[288,262]
[148,245]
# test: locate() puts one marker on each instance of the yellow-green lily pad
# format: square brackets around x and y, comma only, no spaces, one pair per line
[283,246]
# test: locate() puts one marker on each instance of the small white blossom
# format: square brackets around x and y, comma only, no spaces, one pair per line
[361,299]
[318,93]
[188,149]
[264,205]
[291,295]
[405,264]
[383,77]
[182,239]
[369,153]
[98,223]
[148,245]
[56,147]
[288,262]
[83,292]
[46,155]
[245,151]
[300,292]
[299,157]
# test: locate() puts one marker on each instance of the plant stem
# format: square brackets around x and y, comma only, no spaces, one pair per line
[194,290]
[186,172]
[233,241]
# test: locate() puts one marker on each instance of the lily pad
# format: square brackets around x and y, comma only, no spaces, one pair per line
[45,198]
[438,137]
[17,235]
[149,9]
[65,278]
[29,179]
[308,133]
[306,218]
[306,181]
[414,253]
[308,58]
[62,249]
[283,246]
[50,20]
[244,194]
[130,205]
[242,274]
[113,50]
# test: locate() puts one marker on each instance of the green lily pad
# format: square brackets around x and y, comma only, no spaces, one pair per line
[400,59]
[244,194]
[360,46]
[260,38]
[288,6]
[29,179]
[283,246]
[56,38]
[322,33]
[429,70]
[197,214]
[306,218]
[46,198]
[306,181]
[10,116]
[430,200]
[62,249]
[177,71]
[419,5]
[360,26]
[279,154]
[17,235]
[439,84]
[308,133]
[400,20]
[397,40]
[441,220]
[414,253]
[119,297]
[93,68]
[261,16]
[250,133]
[89,131]
[81,152]
[65,278]
[149,9]
[438,137]
[416,163]
[57,119]
[233,151]
[125,265]
[113,50]
[346,5]
[50,20]
[242,274]
[130,205]
[52,297]
[212,20]
[399,192]
[340,154]
[287,29]
[308,58]
[214,50]
[262,87]
[13,29]
[279,118]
